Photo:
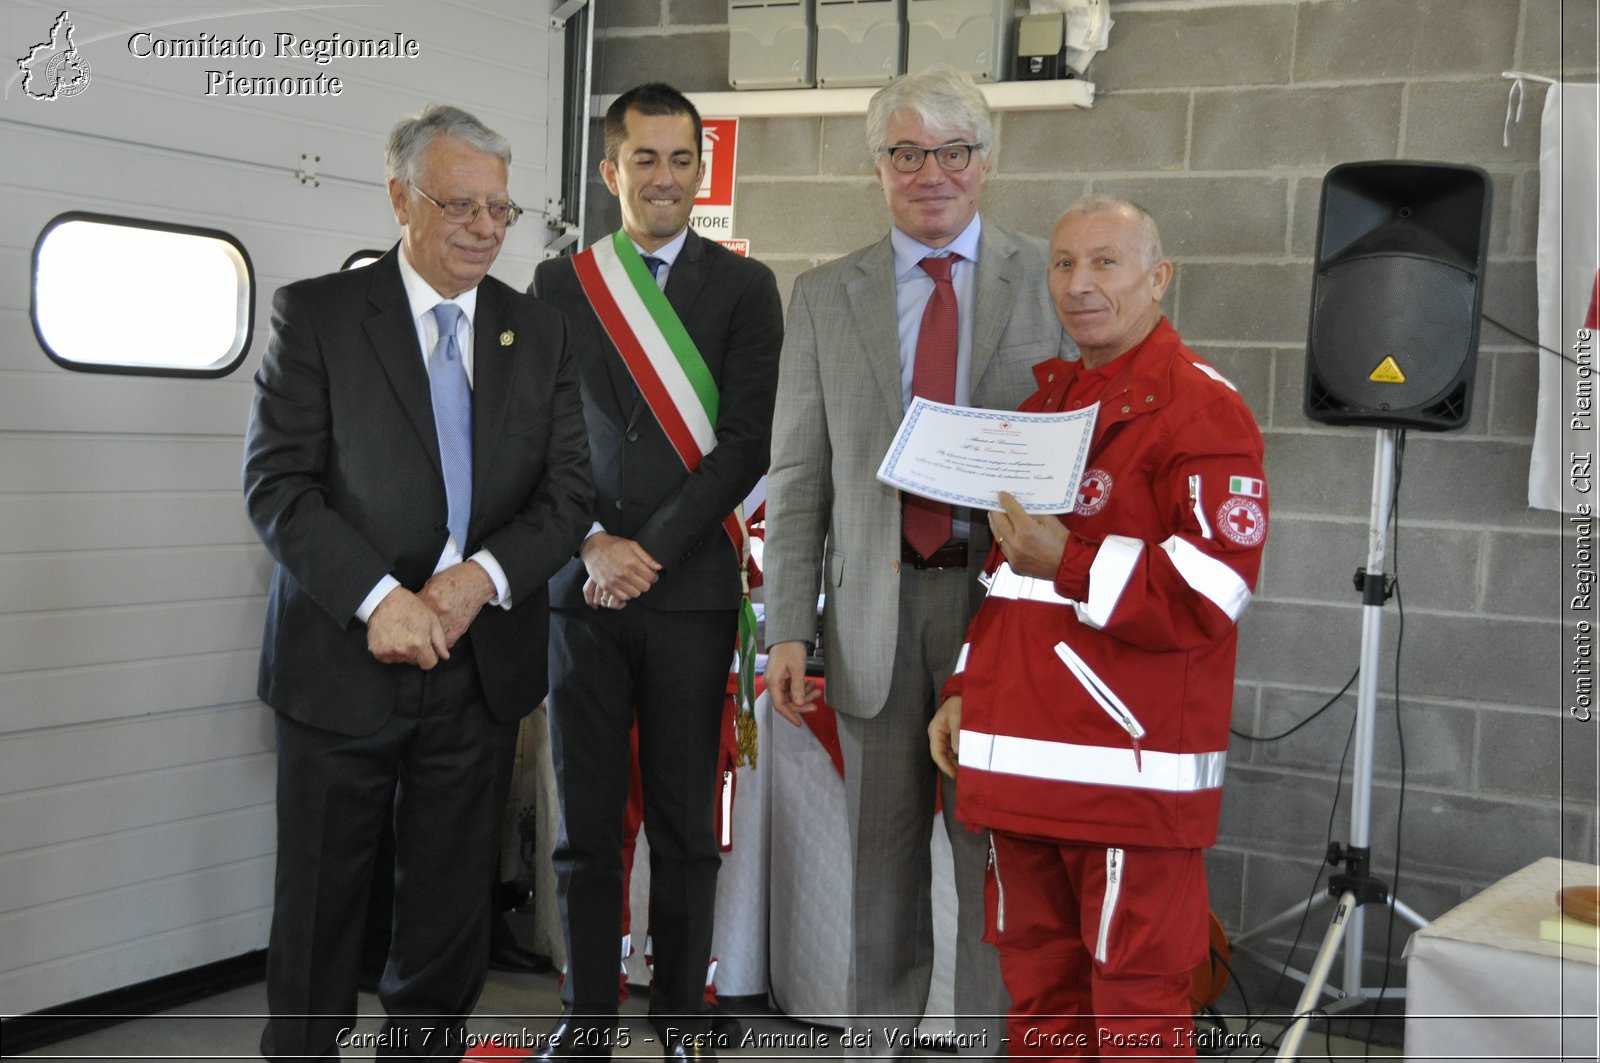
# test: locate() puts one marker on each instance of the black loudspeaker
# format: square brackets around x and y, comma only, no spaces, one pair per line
[1396,294]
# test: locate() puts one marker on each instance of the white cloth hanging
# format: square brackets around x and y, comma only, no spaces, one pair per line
[1567,263]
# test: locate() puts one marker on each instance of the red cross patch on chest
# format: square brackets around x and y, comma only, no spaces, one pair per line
[1093,493]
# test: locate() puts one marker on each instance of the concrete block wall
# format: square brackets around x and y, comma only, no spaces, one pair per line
[1222,118]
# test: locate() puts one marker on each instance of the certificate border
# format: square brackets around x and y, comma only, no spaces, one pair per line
[920,405]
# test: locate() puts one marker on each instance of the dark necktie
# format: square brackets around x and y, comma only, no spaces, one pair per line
[924,522]
[452,416]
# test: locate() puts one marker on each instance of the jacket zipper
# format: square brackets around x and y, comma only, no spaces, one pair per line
[1195,504]
[1108,903]
[999,888]
[1106,698]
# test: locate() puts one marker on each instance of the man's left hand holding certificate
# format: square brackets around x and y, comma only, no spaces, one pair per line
[968,456]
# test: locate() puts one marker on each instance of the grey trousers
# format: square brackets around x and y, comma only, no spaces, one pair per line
[890,781]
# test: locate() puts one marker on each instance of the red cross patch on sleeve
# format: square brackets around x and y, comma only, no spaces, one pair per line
[1242,520]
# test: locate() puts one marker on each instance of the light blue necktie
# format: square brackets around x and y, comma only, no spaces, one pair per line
[452,415]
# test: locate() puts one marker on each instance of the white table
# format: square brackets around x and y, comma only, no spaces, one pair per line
[1481,983]
[810,861]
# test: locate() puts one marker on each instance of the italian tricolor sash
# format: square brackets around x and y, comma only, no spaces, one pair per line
[671,376]
[673,379]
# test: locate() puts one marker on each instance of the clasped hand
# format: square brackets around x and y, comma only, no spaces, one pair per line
[420,628]
[620,570]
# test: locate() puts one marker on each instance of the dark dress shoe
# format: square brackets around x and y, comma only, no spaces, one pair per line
[728,1027]
[505,954]
[572,1040]
[693,1048]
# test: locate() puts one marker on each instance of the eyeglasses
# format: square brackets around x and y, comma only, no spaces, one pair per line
[908,158]
[465,211]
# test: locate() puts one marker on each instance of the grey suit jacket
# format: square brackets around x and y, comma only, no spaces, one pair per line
[830,523]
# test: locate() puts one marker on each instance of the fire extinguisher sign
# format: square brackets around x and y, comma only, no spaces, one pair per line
[712,216]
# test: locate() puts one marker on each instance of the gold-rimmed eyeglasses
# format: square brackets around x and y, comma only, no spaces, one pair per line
[910,158]
[465,211]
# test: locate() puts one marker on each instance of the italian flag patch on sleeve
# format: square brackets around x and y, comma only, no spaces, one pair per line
[1247,486]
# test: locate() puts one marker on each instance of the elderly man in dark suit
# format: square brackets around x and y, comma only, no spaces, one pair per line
[677,339]
[416,464]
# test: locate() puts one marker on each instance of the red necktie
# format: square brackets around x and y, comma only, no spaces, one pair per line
[924,522]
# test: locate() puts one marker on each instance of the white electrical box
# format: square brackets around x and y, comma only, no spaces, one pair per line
[973,36]
[770,44]
[859,42]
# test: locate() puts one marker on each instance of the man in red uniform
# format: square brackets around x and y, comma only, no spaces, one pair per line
[1089,712]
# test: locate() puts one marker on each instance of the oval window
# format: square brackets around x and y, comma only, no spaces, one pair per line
[123,295]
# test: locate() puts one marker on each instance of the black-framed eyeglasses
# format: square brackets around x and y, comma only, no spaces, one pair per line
[465,211]
[909,158]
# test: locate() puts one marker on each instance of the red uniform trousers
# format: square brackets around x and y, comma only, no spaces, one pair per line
[1098,946]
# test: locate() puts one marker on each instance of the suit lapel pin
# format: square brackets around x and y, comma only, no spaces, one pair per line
[506,337]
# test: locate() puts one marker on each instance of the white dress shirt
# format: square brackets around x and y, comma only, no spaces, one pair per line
[422,297]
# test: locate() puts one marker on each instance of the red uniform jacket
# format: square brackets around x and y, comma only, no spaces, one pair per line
[1095,709]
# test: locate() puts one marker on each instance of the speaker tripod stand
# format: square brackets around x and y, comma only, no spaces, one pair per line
[1353,887]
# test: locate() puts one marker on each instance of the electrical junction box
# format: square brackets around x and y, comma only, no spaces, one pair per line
[859,42]
[770,44]
[972,36]
[1042,48]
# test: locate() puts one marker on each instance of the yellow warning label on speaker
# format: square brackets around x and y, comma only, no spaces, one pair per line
[1388,372]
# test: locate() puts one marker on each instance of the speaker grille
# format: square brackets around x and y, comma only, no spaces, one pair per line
[1393,340]
[1418,312]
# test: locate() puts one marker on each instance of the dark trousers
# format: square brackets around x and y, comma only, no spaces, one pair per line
[442,764]
[670,669]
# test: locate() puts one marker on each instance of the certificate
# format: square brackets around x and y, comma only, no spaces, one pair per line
[967,457]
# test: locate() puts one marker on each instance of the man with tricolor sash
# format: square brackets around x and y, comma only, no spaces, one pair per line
[677,341]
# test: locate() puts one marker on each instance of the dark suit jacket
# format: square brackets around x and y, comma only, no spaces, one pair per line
[343,483]
[730,307]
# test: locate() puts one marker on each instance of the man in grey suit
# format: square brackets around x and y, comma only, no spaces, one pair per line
[953,307]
